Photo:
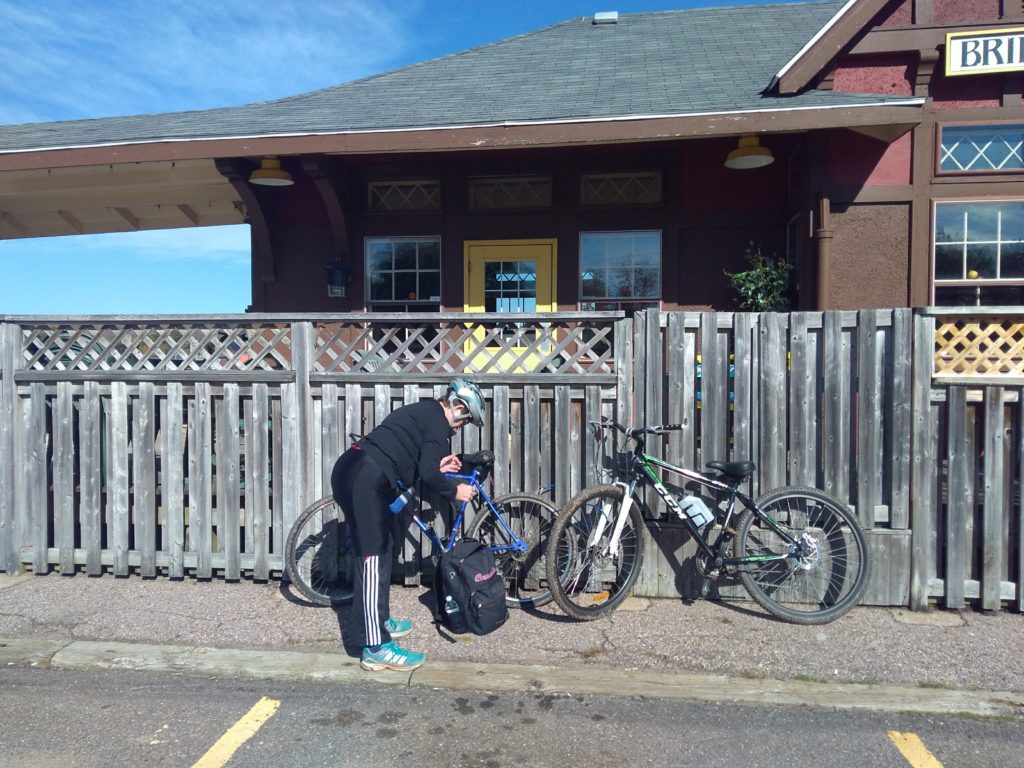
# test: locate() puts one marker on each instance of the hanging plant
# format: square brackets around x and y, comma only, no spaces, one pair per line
[765,286]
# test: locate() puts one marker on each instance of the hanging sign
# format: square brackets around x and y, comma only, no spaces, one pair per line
[984,51]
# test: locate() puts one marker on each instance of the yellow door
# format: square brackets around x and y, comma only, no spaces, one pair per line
[508,276]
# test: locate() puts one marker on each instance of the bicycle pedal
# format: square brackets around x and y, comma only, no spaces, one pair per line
[705,587]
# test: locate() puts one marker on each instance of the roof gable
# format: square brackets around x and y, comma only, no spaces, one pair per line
[832,38]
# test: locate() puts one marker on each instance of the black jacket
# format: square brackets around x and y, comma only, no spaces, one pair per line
[410,444]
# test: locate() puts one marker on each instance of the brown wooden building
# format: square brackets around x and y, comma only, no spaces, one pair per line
[583,166]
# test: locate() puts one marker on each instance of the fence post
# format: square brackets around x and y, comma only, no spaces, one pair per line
[302,363]
[10,336]
[924,467]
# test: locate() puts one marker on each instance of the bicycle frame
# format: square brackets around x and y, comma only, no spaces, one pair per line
[517,545]
[643,466]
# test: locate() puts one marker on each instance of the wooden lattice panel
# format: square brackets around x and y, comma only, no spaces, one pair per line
[100,348]
[499,347]
[980,346]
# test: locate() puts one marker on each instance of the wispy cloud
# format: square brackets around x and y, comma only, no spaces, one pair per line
[64,59]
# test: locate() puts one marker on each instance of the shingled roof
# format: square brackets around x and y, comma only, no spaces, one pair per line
[666,64]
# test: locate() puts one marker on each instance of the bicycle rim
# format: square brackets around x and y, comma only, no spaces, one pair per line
[318,554]
[530,518]
[824,573]
[593,579]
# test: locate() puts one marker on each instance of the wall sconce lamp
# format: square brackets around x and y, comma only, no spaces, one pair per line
[271,174]
[337,279]
[749,154]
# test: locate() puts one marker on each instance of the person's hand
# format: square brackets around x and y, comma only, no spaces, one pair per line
[465,492]
[451,463]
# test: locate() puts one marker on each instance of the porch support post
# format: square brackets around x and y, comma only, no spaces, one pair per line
[258,217]
[10,337]
[823,236]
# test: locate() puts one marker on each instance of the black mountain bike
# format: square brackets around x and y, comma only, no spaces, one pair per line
[798,552]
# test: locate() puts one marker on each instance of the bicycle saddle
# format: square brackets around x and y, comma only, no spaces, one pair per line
[736,469]
[480,457]
[481,461]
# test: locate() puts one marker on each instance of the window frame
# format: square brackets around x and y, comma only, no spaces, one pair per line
[965,282]
[404,304]
[969,173]
[621,302]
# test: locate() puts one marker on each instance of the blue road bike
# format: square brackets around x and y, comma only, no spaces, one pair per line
[515,527]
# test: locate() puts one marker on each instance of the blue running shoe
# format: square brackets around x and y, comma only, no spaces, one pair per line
[398,627]
[390,656]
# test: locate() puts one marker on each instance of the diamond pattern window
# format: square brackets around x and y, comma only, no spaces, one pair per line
[982,148]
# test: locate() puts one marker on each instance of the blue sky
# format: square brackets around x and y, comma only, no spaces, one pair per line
[69,59]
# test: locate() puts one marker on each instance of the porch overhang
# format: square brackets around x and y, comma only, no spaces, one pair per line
[164,184]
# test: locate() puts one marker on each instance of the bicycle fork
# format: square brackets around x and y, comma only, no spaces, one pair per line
[606,516]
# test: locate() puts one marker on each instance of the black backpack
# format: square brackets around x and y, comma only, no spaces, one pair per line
[469,590]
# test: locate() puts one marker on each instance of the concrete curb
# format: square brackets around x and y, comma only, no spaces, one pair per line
[340,668]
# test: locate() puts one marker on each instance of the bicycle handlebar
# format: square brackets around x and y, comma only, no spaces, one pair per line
[635,432]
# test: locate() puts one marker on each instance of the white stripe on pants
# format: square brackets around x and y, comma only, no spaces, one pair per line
[371,595]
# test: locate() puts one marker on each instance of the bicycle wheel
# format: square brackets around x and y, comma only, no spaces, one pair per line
[825,571]
[530,518]
[318,554]
[587,579]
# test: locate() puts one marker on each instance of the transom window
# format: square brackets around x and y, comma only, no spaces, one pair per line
[982,148]
[979,253]
[619,269]
[404,270]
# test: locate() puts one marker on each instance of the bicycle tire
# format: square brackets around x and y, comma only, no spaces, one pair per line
[585,582]
[818,585]
[318,554]
[530,517]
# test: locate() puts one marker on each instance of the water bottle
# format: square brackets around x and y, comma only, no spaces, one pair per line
[399,503]
[697,510]
[450,606]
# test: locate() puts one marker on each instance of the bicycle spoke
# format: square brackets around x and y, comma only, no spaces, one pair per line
[518,541]
[817,571]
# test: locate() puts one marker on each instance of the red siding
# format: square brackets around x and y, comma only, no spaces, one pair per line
[856,160]
[956,11]
[891,75]
[901,16]
[966,92]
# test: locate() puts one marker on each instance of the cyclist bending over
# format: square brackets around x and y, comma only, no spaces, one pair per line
[412,443]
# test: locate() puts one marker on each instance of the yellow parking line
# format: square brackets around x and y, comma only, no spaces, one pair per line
[238,734]
[914,750]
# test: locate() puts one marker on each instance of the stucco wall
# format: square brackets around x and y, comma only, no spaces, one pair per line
[870,260]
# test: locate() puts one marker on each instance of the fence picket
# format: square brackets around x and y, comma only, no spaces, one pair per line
[714,404]
[774,410]
[836,412]
[10,349]
[803,405]
[144,477]
[899,415]
[228,483]
[64,477]
[90,469]
[200,488]
[992,508]
[173,481]
[958,503]
[117,482]
[257,463]
[869,426]
[743,367]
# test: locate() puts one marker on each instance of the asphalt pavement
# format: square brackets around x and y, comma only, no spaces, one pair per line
[881,659]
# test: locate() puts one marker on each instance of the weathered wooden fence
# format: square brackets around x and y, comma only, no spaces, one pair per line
[187,446]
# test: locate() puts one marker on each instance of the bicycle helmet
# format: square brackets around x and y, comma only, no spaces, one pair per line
[462,390]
